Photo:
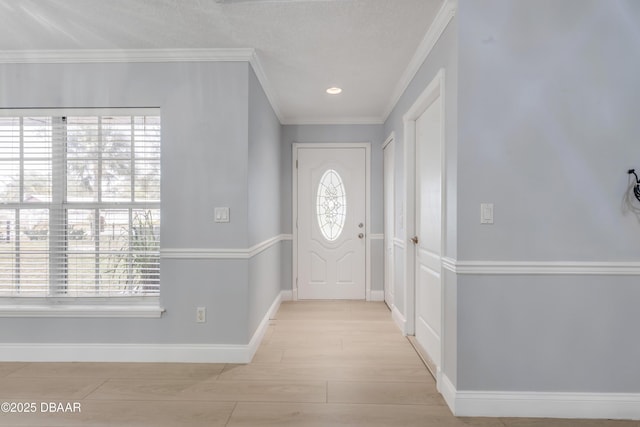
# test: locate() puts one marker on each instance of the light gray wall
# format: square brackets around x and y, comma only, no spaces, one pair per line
[547,130]
[264,193]
[442,56]
[338,133]
[549,334]
[265,164]
[205,160]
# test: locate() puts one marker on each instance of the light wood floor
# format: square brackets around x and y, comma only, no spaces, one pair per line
[320,364]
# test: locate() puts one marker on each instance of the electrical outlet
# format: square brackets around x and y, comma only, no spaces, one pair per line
[201,314]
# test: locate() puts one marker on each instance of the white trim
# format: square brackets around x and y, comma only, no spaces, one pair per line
[270,93]
[99,111]
[286,295]
[261,330]
[71,310]
[262,246]
[390,138]
[389,223]
[399,319]
[439,24]
[294,206]
[294,221]
[448,391]
[434,90]
[540,404]
[376,236]
[399,243]
[449,264]
[81,56]
[376,295]
[204,253]
[146,353]
[222,253]
[367,120]
[542,267]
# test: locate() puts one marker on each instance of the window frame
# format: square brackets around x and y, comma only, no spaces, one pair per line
[59,305]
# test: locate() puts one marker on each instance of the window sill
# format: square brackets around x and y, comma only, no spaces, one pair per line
[69,310]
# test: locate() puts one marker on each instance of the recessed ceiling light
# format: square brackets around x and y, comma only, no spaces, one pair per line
[334,90]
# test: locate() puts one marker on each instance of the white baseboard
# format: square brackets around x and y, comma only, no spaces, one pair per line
[147,353]
[286,295]
[540,404]
[448,391]
[399,319]
[376,295]
[262,328]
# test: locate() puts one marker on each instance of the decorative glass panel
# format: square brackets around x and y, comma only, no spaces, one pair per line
[331,205]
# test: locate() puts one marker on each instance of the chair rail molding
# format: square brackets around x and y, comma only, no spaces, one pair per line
[223,253]
[604,268]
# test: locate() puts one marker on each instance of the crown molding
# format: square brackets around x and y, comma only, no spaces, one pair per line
[333,121]
[439,24]
[80,56]
[84,56]
[270,93]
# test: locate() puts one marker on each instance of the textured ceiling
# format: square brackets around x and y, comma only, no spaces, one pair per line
[304,46]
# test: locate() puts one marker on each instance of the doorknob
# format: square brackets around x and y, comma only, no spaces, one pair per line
[414,239]
[361,235]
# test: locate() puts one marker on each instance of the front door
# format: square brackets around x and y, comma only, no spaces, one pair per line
[331,234]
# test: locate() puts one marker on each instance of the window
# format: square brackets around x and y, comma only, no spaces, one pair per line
[331,205]
[79,203]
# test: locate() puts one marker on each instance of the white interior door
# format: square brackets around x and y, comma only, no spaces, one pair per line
[428,217]
[389,222]
[331,234]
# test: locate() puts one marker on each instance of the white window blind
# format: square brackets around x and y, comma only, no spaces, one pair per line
[79,204]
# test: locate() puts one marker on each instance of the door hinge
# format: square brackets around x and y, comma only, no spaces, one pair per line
[296,164]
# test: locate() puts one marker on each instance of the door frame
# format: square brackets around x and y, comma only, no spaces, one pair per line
[294,207]
[389,235]
[434,90]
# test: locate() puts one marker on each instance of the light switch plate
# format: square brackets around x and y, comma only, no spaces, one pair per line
[221,214]
[486,213]
[201,314]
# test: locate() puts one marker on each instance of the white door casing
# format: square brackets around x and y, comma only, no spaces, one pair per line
[424,204]
[331,247]
[428,222]
[389,219]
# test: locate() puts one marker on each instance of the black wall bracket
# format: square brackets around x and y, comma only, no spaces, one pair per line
[636,186]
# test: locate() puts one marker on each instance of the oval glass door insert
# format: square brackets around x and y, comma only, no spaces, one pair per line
[331,207]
